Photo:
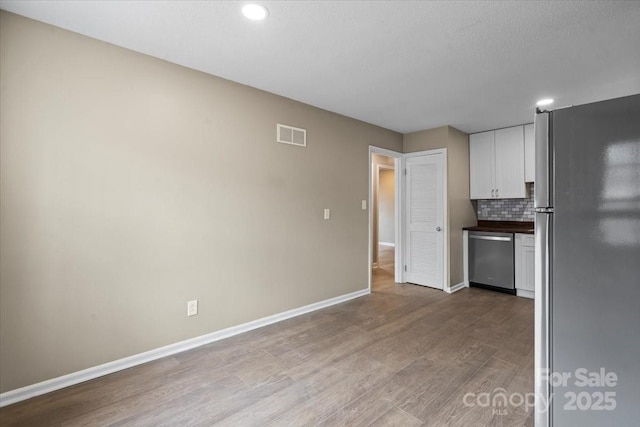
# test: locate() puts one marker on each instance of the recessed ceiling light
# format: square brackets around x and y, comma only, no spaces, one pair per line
[255,12]
[543,102]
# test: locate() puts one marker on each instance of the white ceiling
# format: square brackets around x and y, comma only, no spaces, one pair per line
[403,65]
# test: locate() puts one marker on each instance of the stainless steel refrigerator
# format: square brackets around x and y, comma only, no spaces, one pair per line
[587,306]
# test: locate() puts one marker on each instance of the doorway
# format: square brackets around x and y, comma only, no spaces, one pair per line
[417,251]
[384,216]
[384,219]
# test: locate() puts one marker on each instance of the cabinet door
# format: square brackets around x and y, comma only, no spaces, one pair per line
[529,154]
[527,278]
[509,153]
[524,262]
[481,165]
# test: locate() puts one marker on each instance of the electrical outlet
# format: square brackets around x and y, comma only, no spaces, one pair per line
[192,307]
[327,214]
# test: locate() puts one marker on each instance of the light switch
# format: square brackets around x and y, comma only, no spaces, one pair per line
[327,213]
[364,205]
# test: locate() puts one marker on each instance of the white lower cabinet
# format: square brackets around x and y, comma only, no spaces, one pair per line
[525,255]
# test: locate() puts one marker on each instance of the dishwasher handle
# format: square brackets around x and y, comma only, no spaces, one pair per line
[494,238]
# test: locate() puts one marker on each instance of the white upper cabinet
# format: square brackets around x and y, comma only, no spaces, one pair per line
[529,154]
[496,162]
[509,149]
[481,179]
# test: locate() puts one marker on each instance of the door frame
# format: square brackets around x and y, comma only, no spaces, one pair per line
[398,167]
[445,226]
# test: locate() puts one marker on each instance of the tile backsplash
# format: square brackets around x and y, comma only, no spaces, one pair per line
[507,209]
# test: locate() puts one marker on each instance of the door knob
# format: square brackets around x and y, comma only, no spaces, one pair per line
[438,229]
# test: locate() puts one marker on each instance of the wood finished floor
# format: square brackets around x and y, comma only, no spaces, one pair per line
[404,355]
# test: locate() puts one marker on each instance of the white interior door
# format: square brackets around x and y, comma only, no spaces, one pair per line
[424,216]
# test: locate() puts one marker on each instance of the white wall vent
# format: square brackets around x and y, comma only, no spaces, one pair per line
[291,135]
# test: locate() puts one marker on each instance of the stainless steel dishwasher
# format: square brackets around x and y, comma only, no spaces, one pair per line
[491,261]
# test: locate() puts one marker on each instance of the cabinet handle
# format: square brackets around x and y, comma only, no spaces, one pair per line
[492,191]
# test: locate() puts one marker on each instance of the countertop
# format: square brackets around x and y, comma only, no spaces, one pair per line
[503,227]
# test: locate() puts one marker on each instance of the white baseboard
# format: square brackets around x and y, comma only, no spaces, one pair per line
[456,287]
[387,244]
[17,395]
[525,293]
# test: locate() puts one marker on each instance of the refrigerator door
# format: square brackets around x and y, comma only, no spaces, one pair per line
[595,281]
[542,282]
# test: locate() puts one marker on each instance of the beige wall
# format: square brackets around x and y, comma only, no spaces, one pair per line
[460,210]
[429,139]
[386,206]
[130,185]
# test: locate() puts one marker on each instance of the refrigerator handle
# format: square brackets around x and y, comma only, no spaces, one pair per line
[543,268]
[542,196]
